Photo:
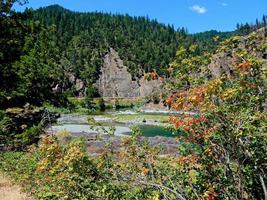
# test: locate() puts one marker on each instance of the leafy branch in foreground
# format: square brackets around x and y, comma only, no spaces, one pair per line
[224,147]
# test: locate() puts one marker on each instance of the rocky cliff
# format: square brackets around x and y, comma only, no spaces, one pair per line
[231,50]
[116,81]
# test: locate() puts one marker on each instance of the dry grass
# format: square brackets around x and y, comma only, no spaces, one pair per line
[9,191]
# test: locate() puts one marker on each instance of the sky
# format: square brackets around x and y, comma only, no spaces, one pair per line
[195,15]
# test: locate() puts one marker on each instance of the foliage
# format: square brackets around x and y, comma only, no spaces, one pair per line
[38,68]
[29,60]
[53,171]
[245,29]
[117,104]
[55,109]
[155,97]
[209,40]
[88,101]
[101,105]
[224,148]
[5,128]
[28,136]
[222,151]
[11,47]
[188,68]
[16,134]
[56,172]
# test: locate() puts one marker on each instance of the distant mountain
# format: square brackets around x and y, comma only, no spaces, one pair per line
[209,40]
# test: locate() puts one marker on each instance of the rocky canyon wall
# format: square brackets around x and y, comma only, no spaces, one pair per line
[115,81]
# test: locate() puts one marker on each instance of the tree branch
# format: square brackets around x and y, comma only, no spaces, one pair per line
[263,187]
[179,196]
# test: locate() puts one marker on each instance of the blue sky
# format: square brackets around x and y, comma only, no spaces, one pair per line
[195,15]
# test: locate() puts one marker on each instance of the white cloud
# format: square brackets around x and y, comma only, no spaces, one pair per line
[224,4]
[198,9]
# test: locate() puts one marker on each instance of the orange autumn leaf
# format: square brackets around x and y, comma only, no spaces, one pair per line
[244,66]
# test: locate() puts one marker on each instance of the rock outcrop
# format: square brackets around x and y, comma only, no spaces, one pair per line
[226,58]
[77,83]
[116,81]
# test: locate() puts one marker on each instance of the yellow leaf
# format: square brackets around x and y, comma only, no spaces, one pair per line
[193,174]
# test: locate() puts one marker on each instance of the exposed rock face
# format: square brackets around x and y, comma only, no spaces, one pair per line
[149,86]
[116,81]
[77,83]
[223,61]
[220,63]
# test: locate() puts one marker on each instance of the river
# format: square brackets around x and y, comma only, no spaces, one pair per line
[150,124]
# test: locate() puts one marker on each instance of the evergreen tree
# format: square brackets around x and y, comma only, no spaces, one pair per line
[14,29]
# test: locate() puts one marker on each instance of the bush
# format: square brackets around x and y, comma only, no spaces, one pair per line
[29,136]
[223,154]
[89,95]
[20,127]
[54,171]
[156,98]
[6,128]
[117,104]
[101,105]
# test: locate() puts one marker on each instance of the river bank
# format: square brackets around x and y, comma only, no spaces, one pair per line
[122,121]
[113,126]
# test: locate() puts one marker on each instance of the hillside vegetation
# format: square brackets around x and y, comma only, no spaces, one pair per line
[83,38]
[222,149]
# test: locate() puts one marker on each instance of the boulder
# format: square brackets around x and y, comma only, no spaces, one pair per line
[79,85]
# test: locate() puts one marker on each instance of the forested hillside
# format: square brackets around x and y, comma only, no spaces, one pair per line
[209,40]
[83,38]
[143,44]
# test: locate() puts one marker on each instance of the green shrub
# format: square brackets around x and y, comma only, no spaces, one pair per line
[29,136]
[101,105]
[156,98]
[17,135]
[6,129]
[117,104]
